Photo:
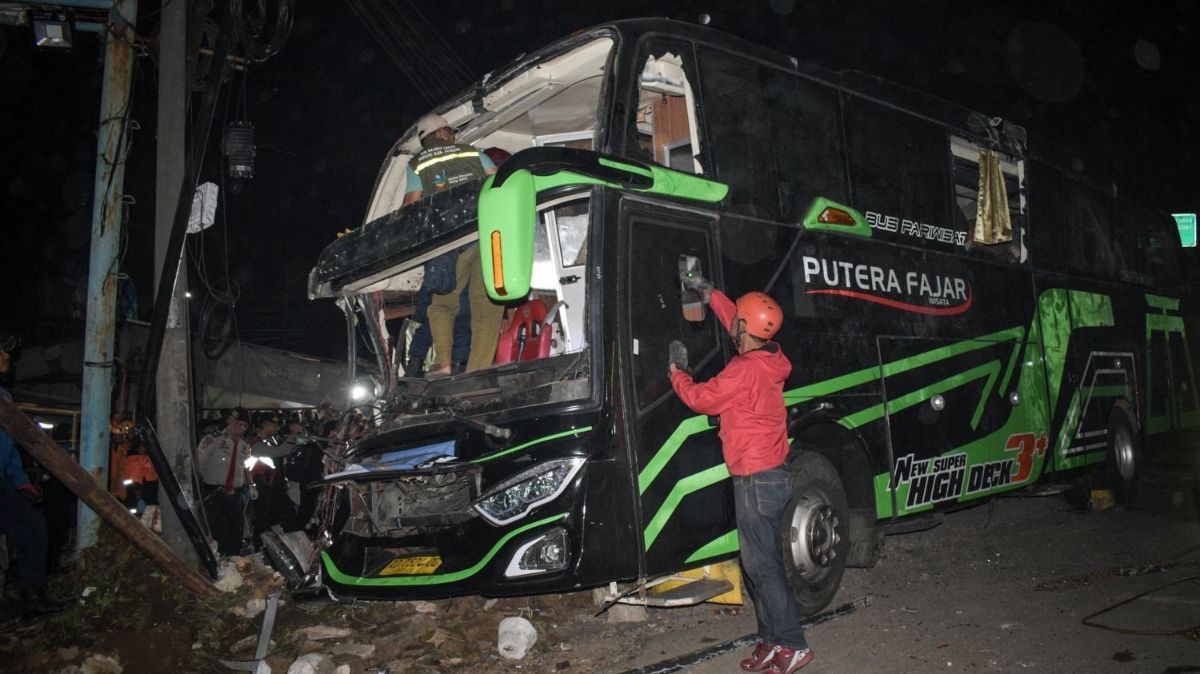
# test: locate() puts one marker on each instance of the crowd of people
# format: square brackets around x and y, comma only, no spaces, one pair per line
[254,479]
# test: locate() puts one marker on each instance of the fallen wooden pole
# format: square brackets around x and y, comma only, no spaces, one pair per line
[82,484]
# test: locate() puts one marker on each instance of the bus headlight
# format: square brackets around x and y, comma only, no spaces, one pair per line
[545,553]
[516,496]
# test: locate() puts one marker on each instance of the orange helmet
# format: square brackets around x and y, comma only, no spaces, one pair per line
[762,314]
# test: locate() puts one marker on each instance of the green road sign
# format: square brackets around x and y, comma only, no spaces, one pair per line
[1187,228]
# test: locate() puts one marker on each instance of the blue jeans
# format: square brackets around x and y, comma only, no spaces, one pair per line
[759,501]
[26,530]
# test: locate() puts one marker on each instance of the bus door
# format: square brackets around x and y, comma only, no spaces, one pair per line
[684,495]
[1171,402]
[959,421]
[1183,381]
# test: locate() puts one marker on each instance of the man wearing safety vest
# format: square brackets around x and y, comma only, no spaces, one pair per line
[441,164]
[748,395]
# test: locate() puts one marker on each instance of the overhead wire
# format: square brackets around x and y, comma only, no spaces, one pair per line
[452,63]
[429,62]
[373,22]
[415,46]
[444,64]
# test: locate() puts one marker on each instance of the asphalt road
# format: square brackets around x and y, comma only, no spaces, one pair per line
[999,587]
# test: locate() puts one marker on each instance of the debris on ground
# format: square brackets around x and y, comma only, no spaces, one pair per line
[135,619]
[322,632]
[312,663]
[515,637]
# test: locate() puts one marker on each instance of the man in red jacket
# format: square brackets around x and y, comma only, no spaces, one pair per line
[748,395]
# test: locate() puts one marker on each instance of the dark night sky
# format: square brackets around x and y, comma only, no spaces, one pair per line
[1115,84]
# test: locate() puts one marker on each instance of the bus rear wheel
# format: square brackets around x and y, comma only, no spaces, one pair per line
[1123,460]
[814,532]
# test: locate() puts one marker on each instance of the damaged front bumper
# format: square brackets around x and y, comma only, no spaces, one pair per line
[437,531]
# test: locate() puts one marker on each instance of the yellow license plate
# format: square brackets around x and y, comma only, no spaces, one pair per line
[412,566]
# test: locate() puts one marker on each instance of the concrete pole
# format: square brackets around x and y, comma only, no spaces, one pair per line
[102,269]
[175,429]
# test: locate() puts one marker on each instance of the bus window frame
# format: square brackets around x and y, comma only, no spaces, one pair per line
[625,116]
[960,146]
[636,212]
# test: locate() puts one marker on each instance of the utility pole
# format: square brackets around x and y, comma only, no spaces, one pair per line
[102,269]
[176,433]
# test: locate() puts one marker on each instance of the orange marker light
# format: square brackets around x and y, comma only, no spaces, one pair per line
[835,216]
[497,264]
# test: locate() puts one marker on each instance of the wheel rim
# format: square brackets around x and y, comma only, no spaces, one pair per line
[812,535]
[1123,454]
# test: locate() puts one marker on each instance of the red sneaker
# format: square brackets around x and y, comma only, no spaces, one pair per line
[788,660]
[763,654]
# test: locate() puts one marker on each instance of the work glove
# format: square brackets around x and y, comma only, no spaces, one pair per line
[31,492]
[693,280]
[678,355]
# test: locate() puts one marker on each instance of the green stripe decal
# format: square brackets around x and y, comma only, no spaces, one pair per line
[868,374]
[901,403]
[1012,365]
[883,504]
[1160,302]
[663,456]
[548,438]
[687,485]
[725,543]
[434,579]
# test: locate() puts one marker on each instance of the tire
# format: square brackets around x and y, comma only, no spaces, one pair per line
[1123,460]
[866,540]
[814,532]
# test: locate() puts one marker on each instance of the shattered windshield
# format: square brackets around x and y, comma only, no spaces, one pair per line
[535,348]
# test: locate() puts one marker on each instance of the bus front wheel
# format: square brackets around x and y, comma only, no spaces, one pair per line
[814,532]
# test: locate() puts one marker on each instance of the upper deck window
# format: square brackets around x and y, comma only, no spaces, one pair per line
[900,176]
[775,136]
[664,127]
[970,189]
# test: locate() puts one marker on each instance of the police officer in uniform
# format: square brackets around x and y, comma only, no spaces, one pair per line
[441,164]
[272,506]
[222,456]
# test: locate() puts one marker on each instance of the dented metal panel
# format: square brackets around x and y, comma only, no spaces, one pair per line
[394,507]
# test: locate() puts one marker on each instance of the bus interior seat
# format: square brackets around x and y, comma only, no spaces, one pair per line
[527,337]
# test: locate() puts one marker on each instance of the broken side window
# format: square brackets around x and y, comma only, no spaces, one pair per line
[991,184]
[664,128]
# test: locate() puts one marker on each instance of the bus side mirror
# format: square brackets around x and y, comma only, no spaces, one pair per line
[690,300]
[507,224]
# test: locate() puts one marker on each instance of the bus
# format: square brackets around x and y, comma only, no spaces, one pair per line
[966,317]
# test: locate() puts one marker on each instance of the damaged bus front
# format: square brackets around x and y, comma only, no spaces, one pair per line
[512,479]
